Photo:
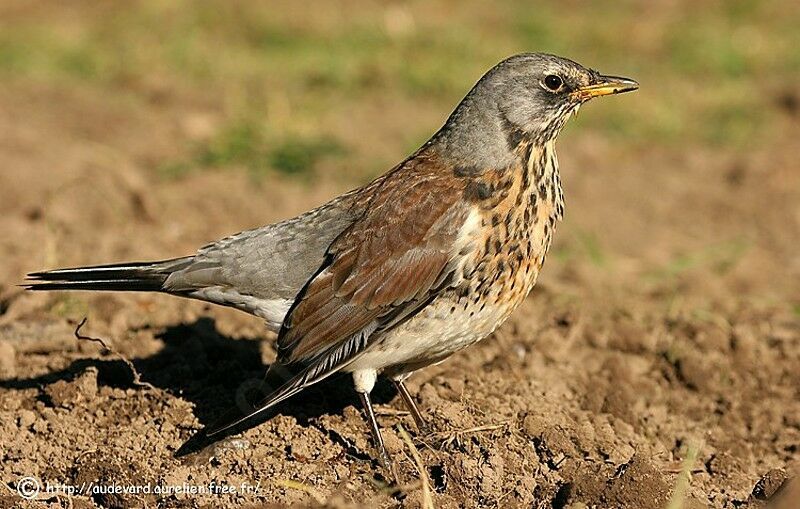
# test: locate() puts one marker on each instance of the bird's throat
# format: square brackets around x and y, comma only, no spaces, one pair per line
[541,168]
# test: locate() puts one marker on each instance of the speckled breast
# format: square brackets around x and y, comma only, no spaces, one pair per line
[510,233]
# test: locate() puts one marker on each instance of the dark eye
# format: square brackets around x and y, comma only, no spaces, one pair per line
[553,82]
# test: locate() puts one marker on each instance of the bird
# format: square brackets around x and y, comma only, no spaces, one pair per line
[401,273]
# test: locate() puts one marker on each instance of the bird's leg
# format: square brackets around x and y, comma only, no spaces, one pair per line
[364,382]
[383,456]
[422,424]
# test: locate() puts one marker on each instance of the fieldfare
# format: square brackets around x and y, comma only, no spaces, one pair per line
[422,262]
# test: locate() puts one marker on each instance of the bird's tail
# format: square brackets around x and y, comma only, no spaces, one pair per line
[133,277]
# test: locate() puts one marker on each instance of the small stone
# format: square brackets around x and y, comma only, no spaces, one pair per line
[48,414]
[26,418]
[393,443]
[87,383]
[534,425]
[40,426]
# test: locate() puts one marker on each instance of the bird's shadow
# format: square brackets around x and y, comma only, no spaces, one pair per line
[220,375]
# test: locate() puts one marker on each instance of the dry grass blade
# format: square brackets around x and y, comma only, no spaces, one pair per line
[391,412]
[427,499]
[682,484]
[137,378]
[448,437]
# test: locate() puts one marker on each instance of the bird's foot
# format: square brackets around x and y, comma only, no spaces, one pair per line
[423,428]
[384,460]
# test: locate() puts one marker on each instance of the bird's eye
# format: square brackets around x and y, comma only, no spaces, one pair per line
[553,82]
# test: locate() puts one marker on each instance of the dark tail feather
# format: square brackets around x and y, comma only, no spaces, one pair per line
[128,277]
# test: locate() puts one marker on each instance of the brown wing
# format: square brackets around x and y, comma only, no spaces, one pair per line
[386,263]
[381,270]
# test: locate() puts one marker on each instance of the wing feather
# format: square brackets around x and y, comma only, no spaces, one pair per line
[380,271]
[389,259]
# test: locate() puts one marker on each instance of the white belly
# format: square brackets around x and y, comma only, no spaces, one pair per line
[441,329]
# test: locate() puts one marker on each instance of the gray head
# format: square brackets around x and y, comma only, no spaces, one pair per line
[530,95]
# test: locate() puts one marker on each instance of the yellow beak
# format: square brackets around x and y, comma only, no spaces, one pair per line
[606,85]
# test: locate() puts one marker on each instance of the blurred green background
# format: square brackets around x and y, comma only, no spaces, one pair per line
[350,87]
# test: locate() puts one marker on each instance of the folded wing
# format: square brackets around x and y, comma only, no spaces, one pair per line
[385,267]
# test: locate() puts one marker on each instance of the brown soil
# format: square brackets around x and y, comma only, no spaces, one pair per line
[665,326]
